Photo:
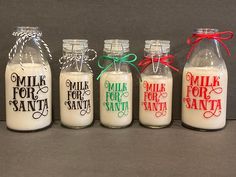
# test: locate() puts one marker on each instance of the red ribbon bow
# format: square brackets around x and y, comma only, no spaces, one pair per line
[219,36]
[165,60]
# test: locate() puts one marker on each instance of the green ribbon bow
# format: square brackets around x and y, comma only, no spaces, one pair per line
[129,59]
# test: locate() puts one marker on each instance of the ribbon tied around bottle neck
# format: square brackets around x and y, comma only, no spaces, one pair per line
[219,36]
[166,60]
[23,38]
[68,60]
[128,59]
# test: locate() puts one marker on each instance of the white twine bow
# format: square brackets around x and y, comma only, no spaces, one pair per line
[25,37]
[69,59]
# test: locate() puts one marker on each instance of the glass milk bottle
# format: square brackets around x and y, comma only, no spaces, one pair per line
[116,85]
[28,82]
[155,94]
[76,85]
[205,80]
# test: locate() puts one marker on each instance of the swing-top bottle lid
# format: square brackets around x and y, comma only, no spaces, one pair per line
[116,46]
[205,31]
[29,29]
[157,46]
[75,45]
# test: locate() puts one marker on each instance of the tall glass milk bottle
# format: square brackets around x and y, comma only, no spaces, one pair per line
[28,82]
[205,80]
[76,85]
[155,89]
[116,86]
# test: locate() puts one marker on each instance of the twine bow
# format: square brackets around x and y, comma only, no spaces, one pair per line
[219,36]
[165,60]
[25,37]
[69,59]
[129,59]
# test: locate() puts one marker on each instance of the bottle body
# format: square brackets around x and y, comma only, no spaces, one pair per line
[204,91]
[155,100]
[28,86]
[76,99]
[204,97]
[116,99]
[28,96]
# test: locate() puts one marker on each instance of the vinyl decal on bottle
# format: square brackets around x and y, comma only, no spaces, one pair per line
[116,98]
[26,93]
[77,96]
[155,98]
[201,94]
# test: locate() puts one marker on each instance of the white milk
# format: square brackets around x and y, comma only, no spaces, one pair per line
[206,99]
[155,100]
[28,96]
[116,99]
[76,99]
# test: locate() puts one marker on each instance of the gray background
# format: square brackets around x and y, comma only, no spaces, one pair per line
[135,20]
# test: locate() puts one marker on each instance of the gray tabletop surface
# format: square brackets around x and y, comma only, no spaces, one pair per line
[134,151]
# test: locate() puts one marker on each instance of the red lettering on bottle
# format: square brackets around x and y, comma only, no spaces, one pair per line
[199,92]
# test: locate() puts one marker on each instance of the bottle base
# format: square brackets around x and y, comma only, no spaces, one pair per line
[30,131]
[155,126]
[115,127]
[76,127]
[201,129]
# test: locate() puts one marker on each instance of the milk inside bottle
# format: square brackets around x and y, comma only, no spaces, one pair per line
[28,82]
[76,84]
[205,80]
[116,84]
[155,88]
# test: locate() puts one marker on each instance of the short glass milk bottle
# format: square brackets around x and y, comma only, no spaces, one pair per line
[205,80]
[76,84]
[155,89]
[28,82]
[116,84]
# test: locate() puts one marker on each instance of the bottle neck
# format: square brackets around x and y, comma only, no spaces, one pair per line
[155,54]
[72,53]
[156,67]
[75,61]
[30,52]
[206,53]
[210,47]
[117,66]
[115,53]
